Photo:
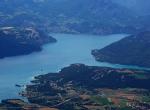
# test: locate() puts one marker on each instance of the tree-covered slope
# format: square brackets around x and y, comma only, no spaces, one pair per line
[132,50]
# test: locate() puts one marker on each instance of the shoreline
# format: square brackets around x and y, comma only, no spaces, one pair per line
[64,65]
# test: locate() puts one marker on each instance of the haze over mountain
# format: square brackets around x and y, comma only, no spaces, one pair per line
[75,16]
[140,7]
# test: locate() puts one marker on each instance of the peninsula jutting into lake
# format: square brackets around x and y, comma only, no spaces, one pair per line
[87,87]
[15,41]
[132,50]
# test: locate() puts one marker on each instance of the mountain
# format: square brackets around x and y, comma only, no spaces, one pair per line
[18,41]
[93,17]
[140,7]
[132,50]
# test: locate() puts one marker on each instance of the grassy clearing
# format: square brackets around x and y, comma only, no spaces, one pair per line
[101,100]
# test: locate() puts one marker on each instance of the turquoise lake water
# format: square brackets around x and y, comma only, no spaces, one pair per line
[69,49]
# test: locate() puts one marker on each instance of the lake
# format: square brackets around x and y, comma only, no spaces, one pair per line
[69,49]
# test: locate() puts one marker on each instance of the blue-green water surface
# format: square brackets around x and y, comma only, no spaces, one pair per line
[69,49]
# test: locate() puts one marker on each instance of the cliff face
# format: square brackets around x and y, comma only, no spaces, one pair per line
[132,50]
[14,41]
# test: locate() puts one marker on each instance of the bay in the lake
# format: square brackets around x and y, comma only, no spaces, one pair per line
[69,49]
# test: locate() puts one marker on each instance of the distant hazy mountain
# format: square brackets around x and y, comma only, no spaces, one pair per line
[72,16]
[132,50]
[141,7]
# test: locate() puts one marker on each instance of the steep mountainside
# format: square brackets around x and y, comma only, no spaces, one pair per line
[132,50]
[14,41]
[138,6]
[94,16]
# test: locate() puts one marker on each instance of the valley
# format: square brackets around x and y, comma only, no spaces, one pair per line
[47,51]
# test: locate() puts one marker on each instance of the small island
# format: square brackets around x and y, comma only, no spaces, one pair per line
[82,87]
